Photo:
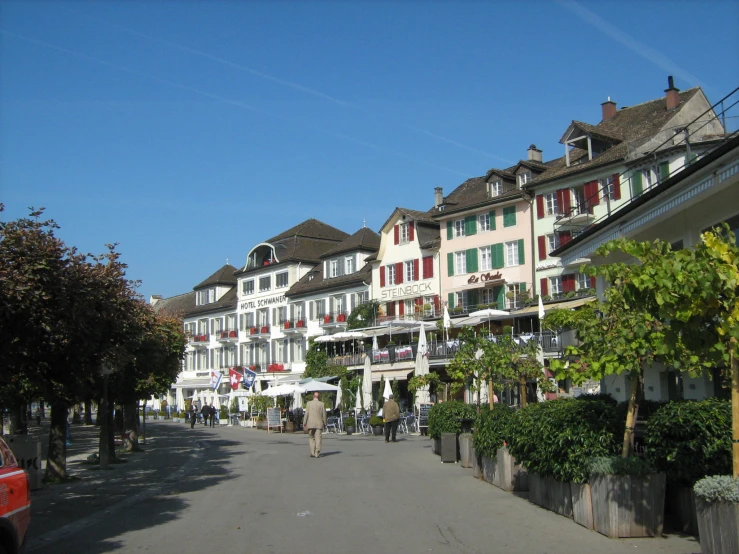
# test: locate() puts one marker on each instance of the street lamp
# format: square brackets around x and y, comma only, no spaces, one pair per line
[104,453]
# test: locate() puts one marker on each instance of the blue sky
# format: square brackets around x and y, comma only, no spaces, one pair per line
[189,131]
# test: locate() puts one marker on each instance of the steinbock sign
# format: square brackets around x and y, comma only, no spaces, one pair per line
[408,290]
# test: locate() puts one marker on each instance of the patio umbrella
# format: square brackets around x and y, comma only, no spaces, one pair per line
[338,398]
[324,338]
[447,321]
[374,343]
[422,368]
[358,403]
[179,399]
[320,386]
[367,382]
[388,390]
[297,398]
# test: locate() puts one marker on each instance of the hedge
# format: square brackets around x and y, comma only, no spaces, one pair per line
[492,429]
[688,440]
[445,417]
[558,438]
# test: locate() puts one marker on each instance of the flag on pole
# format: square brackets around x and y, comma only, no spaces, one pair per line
[215,380]
[541,308]
[249,377]
[235,378]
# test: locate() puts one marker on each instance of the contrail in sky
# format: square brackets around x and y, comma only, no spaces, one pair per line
[218,98]
[279,81]
[649,54]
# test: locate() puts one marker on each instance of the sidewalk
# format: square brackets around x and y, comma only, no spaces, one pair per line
[169,447]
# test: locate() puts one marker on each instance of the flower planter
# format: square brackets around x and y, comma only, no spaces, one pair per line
[436,446]
[488,469]
[476,465]
[350,430]
[465,450]
[262,425]
[680,513]
[449,448]
[232,334]
[551,494]
[718,526]
[377,430]
[300,324]
[628,505]
[341,318]
[265,329]
[582,504]
[509,475]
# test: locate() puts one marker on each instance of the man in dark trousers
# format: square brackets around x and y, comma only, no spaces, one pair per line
[315,420]
[205,412]
[212,414]
[391,413]
[193,415]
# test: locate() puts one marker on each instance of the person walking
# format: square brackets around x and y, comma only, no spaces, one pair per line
[315,420]
[391,412]
[213,414]
[205,412]
[193,415]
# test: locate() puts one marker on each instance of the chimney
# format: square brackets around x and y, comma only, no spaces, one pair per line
[534,154]
[609,109]
[438,197]
[672,95]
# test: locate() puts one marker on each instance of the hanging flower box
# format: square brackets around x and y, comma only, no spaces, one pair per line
[300,323]
[232,334]
[224,334]
[196,338]
[287,325]
[327,319]
[253,367]
[253,331]
[265,329]
[341,318]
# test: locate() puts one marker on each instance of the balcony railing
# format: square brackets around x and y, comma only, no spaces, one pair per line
[228,335]
[199,339]
[293,326]
[335,319]
[348,360]
[258,332]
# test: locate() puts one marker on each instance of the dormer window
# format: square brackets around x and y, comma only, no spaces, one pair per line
[349,264]
[524,178]
[333,268]
[496,188]
[207,296]
[405,233]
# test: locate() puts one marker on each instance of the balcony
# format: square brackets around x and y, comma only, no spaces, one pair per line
[279,367]
[261,332]
[229,335]
[200,340]
[347,360]
[293,326]
[333,320]
[578,217]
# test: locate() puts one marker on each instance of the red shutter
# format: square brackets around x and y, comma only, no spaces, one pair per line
[542,243]
[591,193]
[564,237]
[428,267]
[544,286]
[568,283]
[411,231]
[416,275]
[592,282]
[401,308]
[398,273]
[437,303]
[397,234]
[391,309]
[563,201]
[382,276]
[616,187]
[539,207]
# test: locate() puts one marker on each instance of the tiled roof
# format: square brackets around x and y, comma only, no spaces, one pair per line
[224,276]
[227,301]
[413,214]
[311,228]
[308,285]
[175,306]
[473,193]
[428,236]
[364,239]
[595,131]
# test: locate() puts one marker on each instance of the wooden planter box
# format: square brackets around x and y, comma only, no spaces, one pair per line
[509,475]
[476,465]
[718,526]
[465,450]
[582,504]
[551,494]
[680,511]
[449,448]
[628,505]
[436,446]
[488,469]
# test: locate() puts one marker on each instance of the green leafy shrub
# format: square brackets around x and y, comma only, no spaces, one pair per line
[375,421]
[558,438]
[350,422]
[718,488]
[223,412]
[492,429]
[688,440]
[445,417]
[617,465]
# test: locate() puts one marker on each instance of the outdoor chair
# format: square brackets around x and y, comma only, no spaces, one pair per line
[331,424]
[410,424]
[364,426]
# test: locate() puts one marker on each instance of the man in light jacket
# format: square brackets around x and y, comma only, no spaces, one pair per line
[391,413]
[315,420]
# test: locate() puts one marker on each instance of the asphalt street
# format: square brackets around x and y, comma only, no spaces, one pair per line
[238,490]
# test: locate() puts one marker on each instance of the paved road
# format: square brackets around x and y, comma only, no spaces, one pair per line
[244,491]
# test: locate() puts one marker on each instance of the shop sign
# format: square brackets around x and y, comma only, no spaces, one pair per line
[484,277]
[262,302]
[408,290]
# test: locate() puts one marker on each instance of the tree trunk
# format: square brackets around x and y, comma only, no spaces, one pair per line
[131,436]
[631,415]
[56,457]
[111,431]
[522,391]
[734,364]
[491,394]
[88,411]
[16,419]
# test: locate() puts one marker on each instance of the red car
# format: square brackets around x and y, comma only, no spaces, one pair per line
[15,503]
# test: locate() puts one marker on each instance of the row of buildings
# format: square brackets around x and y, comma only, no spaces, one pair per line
[495,241]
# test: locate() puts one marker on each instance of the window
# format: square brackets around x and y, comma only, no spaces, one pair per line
[405,233]
[487,296]
[263,317]
[511,253]
[460,262]
[249,320]
[391,274]
[555,285]
[281,280]
[338,304]
[349,265]
[362,297]
[483,222]
[524,178]
[552,242]
[265,283]
[550,203]
[583,281]
[511,296]
[509,216]
[281,315]
[486,261]
[409,273]
[248,287]
[459,228]
[333,270]
[608,188]
[496,188]
[460,300]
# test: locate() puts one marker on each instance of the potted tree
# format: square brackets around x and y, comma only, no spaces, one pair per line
[377,425]
[717,505]
[350,425]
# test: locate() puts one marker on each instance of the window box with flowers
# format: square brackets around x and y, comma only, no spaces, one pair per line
[341,318]
[265,329]
[224,334]
[253,331]
[327,319]
[288,325]
[300,323]
[232,334]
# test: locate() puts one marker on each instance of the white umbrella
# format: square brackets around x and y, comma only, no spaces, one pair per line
[422,344]
[489,312]
[447,319]
[358,403]
[374,343]
[541,308]
[367,383]
[179,399]
[324,338]
[346,335]
[422,368]
[297,398]
[283,390]
[338,398]
[388,390]
[313,386]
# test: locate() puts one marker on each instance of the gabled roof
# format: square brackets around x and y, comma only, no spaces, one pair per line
[226,302]
[365,239]
[224,276]
[311,228]
[420,217]
[175,306]
[474,193]
[589,129]
[314,281]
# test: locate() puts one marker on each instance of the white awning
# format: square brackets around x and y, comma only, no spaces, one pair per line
[401,374]
[192,384]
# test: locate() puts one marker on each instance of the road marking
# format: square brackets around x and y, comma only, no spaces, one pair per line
[84,523]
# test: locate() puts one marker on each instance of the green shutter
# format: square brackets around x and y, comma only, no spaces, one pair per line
[449,230]
[450,264]
[450,298]
[492,220]
[470,225]
[664,171]
[499,295]
[471,300]
[496,253]
[472,260]
[636,184]
[521,253]
[509,216]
